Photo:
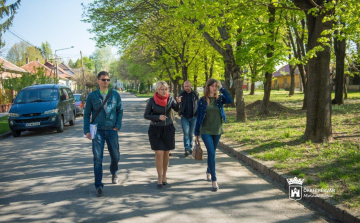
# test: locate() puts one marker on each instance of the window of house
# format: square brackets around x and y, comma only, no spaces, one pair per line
[285,81]
[276,82]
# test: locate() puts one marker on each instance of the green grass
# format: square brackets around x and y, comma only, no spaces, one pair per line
[4,125]
[149,95]
[278,137]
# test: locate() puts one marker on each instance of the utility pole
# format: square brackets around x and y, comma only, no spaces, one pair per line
[83,73]
[56,59]
[57,70]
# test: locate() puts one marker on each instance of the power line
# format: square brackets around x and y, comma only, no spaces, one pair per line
[38,48]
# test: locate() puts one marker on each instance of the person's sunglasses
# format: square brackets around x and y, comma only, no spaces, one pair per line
[105,80]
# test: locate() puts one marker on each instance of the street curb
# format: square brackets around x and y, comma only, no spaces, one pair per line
[325,204]
[5,135]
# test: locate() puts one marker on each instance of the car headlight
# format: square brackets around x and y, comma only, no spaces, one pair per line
[51,111]
[13,115]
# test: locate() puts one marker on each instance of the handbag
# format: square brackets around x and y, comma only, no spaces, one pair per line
[93,127]
[197,152]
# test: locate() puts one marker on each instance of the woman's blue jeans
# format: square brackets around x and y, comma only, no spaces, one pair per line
[211,143]
[112,140]
[188,126]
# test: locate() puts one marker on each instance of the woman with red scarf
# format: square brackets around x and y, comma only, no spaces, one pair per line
[161,130]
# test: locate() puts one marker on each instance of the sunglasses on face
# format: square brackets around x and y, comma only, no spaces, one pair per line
[105,80]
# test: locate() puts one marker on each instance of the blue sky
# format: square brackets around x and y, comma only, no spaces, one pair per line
[55,21]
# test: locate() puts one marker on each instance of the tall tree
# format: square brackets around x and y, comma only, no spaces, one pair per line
[46,50]
[102,58]
[7,12]
[318,115]
[20,51]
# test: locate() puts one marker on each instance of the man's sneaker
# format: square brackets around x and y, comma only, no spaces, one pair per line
[99,192]
[190,151]
[186,152]
[115,179]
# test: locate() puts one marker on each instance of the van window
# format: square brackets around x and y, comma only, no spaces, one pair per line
[63,92]
[37,95]
[69,93]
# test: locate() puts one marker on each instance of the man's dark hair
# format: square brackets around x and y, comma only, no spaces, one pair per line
[102,73]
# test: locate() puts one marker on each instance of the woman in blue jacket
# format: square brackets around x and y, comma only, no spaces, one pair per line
[210,116]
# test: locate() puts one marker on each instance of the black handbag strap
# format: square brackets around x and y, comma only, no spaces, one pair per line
[98,111]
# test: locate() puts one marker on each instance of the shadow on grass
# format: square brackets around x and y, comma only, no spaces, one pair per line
[275,144]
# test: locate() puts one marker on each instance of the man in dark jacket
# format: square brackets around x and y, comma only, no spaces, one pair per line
[108,123]
[188,107]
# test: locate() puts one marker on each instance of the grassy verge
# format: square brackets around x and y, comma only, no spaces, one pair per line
[149,95]
[278,137]
[4,125]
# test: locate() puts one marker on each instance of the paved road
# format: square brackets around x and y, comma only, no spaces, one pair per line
[48,177]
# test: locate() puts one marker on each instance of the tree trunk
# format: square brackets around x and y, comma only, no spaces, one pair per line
[267,91]
[240,103]
[195,82]
[318,115]
[206,69]
[340,47]
[345,88]
[227,84]
[252,91]
[268,75]
[184,71]
[212,65]
[303,79]
[292,75]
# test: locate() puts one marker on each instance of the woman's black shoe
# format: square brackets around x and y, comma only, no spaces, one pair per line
[164,183]
[216,188]
[159,186]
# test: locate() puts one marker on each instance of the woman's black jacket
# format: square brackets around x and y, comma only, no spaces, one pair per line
[153,111]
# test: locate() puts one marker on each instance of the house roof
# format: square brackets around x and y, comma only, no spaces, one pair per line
[67,68]
[10,70]
[34,65]
[284,71]
[62,73]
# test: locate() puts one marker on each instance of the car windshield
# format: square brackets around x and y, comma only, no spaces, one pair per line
[37,95]
[77,97]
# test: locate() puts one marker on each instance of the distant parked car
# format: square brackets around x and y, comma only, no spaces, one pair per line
[79,104]
[42,106]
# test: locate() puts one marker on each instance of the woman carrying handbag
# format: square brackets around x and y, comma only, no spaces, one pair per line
[210,116]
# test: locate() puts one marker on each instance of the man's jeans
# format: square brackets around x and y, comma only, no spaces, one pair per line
[188,126]
[211,143]
[98,143]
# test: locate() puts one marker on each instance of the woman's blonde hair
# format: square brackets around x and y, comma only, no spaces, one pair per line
[210,82]
[159,84]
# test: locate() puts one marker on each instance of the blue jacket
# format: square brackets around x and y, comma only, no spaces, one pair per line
[224,98]
[106,121]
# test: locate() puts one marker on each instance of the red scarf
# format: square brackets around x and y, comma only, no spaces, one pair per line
[161,100]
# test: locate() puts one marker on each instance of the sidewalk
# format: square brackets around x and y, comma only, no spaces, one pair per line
[4,114]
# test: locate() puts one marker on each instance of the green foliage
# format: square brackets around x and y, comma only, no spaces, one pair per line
[4,125]
[8,12]
[88,63]
[18,83]
[46,50]
[20,51]
[101,59]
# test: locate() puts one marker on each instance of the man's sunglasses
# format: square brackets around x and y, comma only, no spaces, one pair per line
[108,80]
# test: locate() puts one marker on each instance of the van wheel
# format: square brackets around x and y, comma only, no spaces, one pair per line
[60,128]
[16,133]
[72,122]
